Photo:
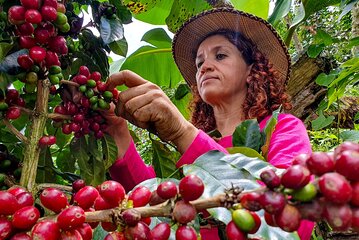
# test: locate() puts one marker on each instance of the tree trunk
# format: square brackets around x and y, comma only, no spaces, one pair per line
[355,27]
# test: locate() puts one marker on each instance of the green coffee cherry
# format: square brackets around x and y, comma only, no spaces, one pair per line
[65,27]
[82,88]
[103,104]
[89,93]
[91,83]
[3,106]
[31,77]
[55,69]
[107,95]
[61,19]
[93,99]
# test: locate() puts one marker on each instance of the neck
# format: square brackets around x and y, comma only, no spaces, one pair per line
[229,115]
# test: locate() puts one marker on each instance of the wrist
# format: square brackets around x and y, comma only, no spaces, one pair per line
[186,137]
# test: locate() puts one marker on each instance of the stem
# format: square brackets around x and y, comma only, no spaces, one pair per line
[32,149]
[16,132]
[53,185]
[58,116]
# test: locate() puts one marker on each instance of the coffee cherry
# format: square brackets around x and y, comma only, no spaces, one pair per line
[53,199]
[46,229]
[8,203]
[83,70]
[257,221]
[270,178]
[30,4]
[25,61]
[71,218]
[131,217]
[270,220]
[26,42]
[140,232]
[251,201]
[273,202]
[312,210]
[161,231]
[96,76]
[288,219]
[347,164]
[167,190]
[16,190]
[37,54]
[295,177]
[320,163]
[155,199]
[47,140]
[300,159]
[345,146]
[85,231]
[101,204]
[191,187]
[61,19]
[112,192]
[234,233]
[355,196]
[86,197]
[33,16]
[355,219]
[42,36]
[26,29]
[25,217]
[140,196]
[335,188]
[71,234]
[115,236]
[16,15]
[243,220]
[48,13]
[305,194]
[5,228]
[185,233]
[21,236]
[78,184]
[339,216]
[25,199]
[51,3]
[184,212]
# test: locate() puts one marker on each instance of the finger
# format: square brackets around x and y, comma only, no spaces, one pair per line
[145,90]
[126,77]
[134,104]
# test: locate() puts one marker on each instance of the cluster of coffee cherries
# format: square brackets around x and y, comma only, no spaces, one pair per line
[318,186]
[37,26]
[9,167]
[10,103]
[94,96]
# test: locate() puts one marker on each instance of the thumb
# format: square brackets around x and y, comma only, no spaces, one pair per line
[126,77]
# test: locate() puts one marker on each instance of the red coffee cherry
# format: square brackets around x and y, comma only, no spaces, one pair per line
[257,221]
[335,188]
[26,29]
[115,236]
[47,140]
[13,113]
[46,229]
[30,4]
[347,164]
[288,219]
[48,13]
[78,184]
[339,216]
[234,233]
[141,232]
[54,199]
[155,199]
[25,199]
[16,190]
[251,201]
[300,159]
[140,196]
[72,234]
[51,3]
[161,231]
[345,146]
[184,212]
[86,197]
[270,178]
[96,76]
[270,220]
[355,196]
[83,70]
[191,187]
[8,203]
[131,217]
[185,233]
[42,36]
[71,218]
[112,192]
[272,202]
[296,176]
[21,236]
[167,190]
[25,217]
[25,61]
[355,219]
[312,210]
[85,231]
[16,15]
[37,54]
[320,163]
[5,228]
[33,16]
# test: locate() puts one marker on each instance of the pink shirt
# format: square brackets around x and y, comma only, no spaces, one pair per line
[289,139]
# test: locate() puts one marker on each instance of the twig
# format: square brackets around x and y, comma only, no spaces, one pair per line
[16,132]
[58,116]
[53,185]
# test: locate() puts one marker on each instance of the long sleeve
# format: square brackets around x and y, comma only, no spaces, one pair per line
[130,169]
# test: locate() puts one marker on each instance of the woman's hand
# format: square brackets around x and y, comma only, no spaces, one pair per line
[147,106]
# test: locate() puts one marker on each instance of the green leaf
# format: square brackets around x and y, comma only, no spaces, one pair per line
[45,174]
[110,150]
[350,135]
[324,79]
[353,42]
[4,49]
[182,10]
[322,121]
[247,134]
[119,47]
[181,91]
[153,12]
[260,9]
[96,161]
[155,65]
[111,30]
[164,160]
[99,233]
[323,37]
[249,152]
[157,37]
[315,49]
[281,9]
[79,148]
[268,131]
[65,161]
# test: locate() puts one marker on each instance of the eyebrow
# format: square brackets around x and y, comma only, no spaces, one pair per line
[215,49]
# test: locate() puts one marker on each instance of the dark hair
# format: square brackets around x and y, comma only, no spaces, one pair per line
[266,90]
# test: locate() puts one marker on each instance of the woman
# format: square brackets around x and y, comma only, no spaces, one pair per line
[237,67]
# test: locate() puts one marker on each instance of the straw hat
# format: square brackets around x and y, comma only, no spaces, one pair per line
[259,31]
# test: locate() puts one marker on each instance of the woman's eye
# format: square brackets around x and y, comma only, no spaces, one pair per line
[220,56]
[199,64]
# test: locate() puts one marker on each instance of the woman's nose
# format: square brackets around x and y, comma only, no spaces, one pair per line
[207,65]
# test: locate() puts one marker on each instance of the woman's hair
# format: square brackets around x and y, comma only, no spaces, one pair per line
[266,90]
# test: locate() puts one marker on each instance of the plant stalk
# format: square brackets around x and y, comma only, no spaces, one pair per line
[38,123]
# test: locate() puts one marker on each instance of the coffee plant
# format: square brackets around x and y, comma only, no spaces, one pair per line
[55,153]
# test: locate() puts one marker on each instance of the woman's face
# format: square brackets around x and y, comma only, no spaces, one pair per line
[221,70]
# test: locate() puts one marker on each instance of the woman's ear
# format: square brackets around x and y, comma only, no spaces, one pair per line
[249,71]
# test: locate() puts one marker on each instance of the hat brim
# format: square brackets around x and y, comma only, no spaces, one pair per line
[259,31]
